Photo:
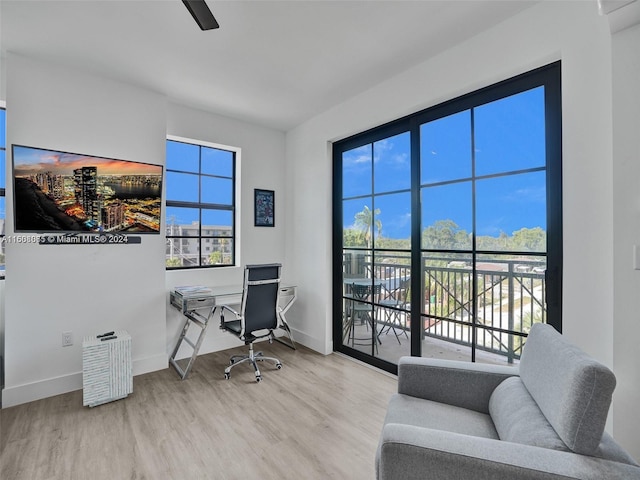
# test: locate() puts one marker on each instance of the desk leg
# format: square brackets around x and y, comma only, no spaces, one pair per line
[285,327]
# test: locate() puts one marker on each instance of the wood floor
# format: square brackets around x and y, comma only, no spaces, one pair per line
[319,417]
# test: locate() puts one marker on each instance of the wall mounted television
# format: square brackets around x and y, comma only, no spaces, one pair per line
[66,192]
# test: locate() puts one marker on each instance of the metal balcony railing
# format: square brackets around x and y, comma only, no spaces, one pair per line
[495,312]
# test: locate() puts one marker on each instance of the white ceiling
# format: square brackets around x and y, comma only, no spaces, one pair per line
[275,63]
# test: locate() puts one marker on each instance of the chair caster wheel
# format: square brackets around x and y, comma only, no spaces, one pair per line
[278,366]
[226,376]
[258,378]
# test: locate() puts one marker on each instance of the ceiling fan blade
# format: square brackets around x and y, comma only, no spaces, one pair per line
[201,14]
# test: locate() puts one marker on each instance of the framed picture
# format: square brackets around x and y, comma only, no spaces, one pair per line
[264,208]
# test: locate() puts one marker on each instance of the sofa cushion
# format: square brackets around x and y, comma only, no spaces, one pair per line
[518,419]
[408,410]
[572,390]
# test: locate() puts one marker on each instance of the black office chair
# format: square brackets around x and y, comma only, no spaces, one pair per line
[258,316]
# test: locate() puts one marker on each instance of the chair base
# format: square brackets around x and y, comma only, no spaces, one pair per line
[253,358]
[392,324]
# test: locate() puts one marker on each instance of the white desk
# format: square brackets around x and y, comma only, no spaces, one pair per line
[199,305]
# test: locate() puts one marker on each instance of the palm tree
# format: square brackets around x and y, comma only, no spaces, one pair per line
[364,221]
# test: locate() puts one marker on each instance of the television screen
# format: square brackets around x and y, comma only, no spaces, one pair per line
[68,192]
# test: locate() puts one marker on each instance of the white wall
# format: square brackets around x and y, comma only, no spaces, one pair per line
[626,218]
[85,289]
[262,163]
[90,289]
[570,31]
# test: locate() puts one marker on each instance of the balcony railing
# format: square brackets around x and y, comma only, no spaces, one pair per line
[507,297]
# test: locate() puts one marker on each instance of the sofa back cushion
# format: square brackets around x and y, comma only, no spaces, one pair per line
[518,418]
[572,390]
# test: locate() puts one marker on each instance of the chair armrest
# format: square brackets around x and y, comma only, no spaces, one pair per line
[227,307]
[463,384]
[415,453]
[223,323]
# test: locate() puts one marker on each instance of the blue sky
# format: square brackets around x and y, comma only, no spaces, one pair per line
[28,160]
[508,137]
[215,186]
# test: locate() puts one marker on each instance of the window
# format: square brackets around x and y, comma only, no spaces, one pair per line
[448,227]
[201,191]
[3,157]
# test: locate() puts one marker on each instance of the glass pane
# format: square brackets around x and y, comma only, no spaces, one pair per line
[218,223]
[183,221]
[183,156]
[393,318]
[511,213]
[445,148]
[492,347]
[510,133]
[182,187]
[357,219]
[217,251]
[446,216]
[217,162]
[356,172]
[355,264]
[392,220]
[392,163]
[360,314]
[2,169]
[511,297]
[182,252]
[447,306]
[217,190]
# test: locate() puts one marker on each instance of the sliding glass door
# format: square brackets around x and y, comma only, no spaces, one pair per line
[376,245]
[447,227]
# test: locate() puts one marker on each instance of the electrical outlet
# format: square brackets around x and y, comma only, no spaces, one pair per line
[67,339]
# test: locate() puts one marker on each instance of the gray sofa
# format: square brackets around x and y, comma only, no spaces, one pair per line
[542,419]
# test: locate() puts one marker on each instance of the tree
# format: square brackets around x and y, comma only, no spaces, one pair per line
[529,240]
[352,237]
[445,234]
[173,262]
[365,221]
[215,258]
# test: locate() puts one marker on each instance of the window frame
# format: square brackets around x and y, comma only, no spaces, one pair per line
[205,240]
[549,76]
[3,191]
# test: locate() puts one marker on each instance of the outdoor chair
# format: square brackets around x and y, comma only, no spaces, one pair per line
[362,311]
[395,310]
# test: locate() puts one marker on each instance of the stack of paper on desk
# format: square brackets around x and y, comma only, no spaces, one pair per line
[190,290]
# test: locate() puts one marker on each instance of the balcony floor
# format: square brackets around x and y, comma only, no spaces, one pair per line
[390,350]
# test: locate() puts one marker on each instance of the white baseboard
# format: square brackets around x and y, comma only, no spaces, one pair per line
[19,394]
[311,342]
[29,392]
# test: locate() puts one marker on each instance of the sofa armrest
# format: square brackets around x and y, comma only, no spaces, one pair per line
[463,384]
[415,453]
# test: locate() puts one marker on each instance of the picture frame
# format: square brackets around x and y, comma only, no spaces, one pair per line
[264,208]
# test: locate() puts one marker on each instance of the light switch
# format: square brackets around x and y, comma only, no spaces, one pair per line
[636,257]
